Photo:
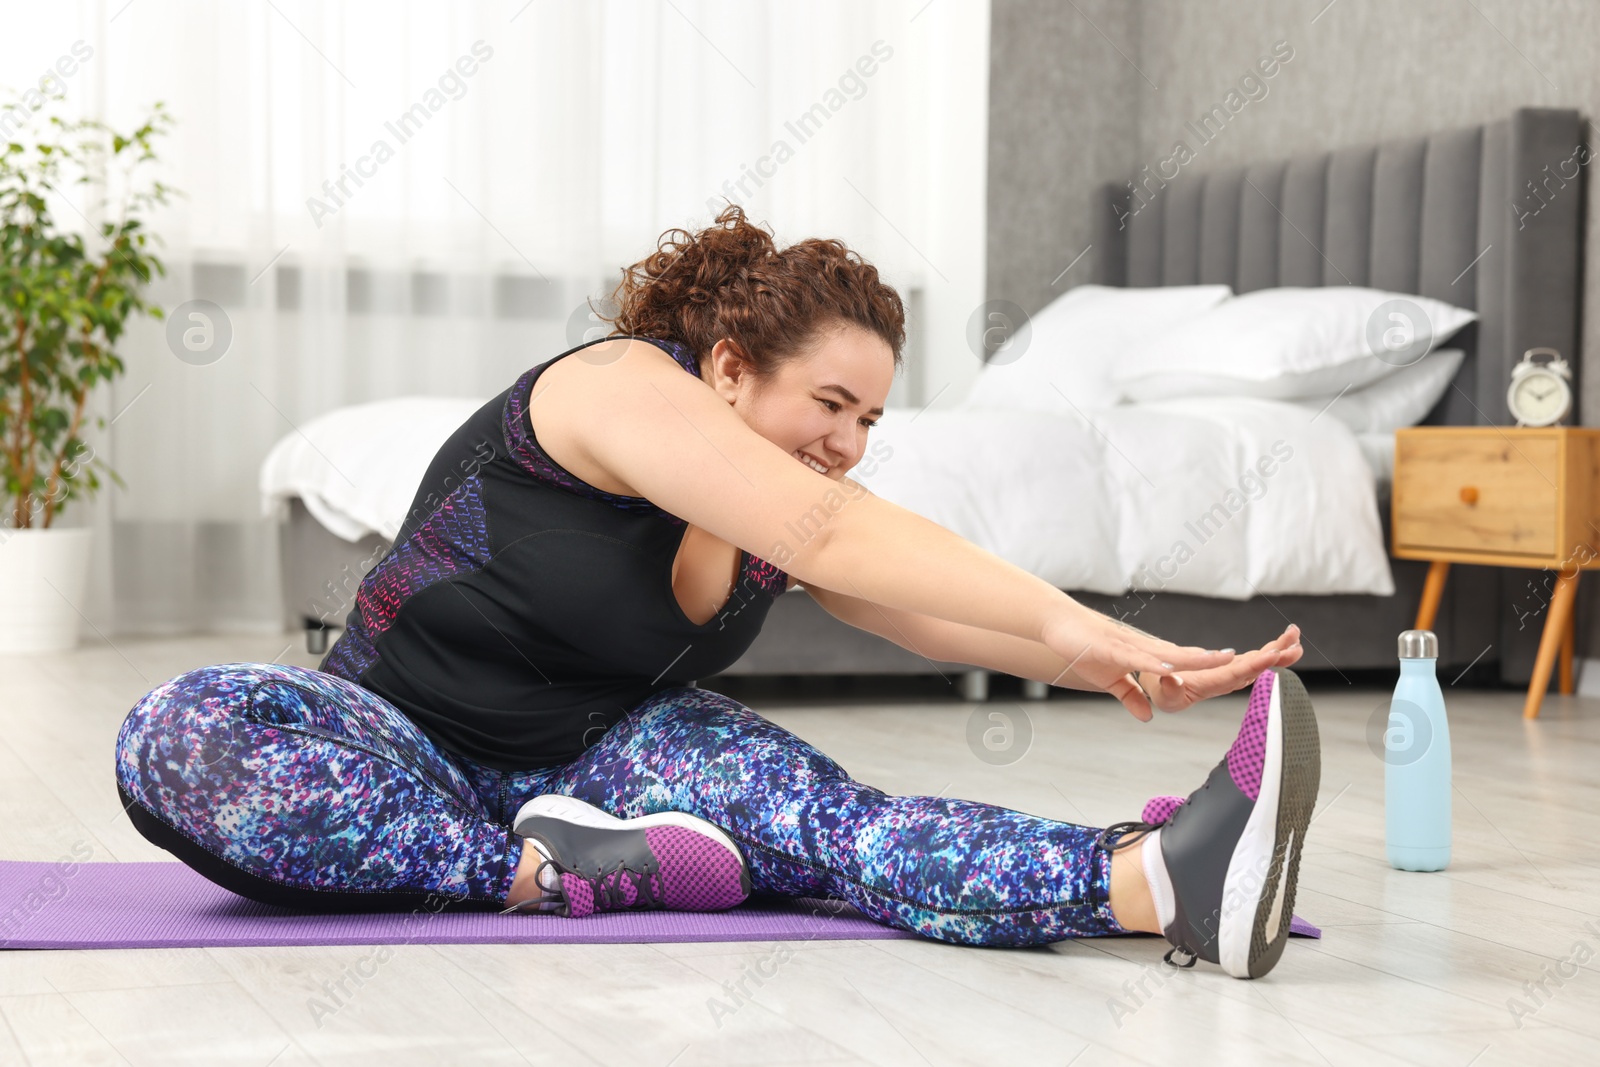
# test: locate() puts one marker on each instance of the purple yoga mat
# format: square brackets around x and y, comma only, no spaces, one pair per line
[168,905]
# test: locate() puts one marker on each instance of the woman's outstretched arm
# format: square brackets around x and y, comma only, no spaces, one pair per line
[674,441]
[952,642]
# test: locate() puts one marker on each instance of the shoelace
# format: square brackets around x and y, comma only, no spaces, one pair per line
[552,900]
[1132,826]
[1134,831]
[607,888]
[1141,829]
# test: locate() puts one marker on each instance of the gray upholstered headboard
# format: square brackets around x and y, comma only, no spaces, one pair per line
[1488,218]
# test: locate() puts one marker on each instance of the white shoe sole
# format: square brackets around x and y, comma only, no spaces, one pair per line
[1258,891]
[571,809]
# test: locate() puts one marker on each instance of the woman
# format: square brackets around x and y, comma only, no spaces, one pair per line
[508,720]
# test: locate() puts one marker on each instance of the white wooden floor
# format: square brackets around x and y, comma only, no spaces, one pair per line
[1413,968]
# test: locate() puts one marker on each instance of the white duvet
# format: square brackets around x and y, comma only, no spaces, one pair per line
[1216,497]
[1220,497]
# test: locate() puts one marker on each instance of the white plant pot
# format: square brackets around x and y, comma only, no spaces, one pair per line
[43,574]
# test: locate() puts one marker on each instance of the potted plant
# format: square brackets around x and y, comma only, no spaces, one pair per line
[65,298]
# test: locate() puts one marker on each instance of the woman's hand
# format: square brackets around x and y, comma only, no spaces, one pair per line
[1167,695]
[1105,652]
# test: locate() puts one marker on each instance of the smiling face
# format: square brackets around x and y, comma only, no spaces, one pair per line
[821,403]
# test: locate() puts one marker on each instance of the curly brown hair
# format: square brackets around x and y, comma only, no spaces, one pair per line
[731,281]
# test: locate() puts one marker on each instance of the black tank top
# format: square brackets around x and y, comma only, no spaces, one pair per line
[521,611]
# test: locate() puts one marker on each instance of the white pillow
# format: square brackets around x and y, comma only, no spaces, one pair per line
[1287,344]
[1073,342]
[1402,399]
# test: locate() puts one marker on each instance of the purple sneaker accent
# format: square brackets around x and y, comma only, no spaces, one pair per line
[697,874]
[692,873]
[1249,751]
[1245,758]
[579,894]
[1158,810]
[671,859]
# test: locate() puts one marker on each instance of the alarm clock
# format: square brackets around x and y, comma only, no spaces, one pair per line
[1540,393]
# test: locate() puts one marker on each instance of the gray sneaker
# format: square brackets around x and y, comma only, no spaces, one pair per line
[1232,848]
[668,860]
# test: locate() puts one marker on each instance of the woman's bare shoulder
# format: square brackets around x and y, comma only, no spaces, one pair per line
[672,440]
[611,353]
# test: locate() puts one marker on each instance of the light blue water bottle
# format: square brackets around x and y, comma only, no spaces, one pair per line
[1416,761]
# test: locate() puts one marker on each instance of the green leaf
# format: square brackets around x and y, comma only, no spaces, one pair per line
[66,295]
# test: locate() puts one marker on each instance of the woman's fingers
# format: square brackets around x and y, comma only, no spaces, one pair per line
[1280,651]
[1106,658]
[1286,647]
[1101,648]
[1248,666]
[1131,652]
[1185,657]
[1242,671]
[1176,694]
[1106,652]
[1179,657]
[1133,697]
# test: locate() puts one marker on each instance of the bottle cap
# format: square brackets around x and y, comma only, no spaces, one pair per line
[1419,644]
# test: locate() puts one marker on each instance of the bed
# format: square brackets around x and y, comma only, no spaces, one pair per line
[1436,216]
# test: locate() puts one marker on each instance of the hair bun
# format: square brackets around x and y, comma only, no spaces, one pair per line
[730,281]
[735,241]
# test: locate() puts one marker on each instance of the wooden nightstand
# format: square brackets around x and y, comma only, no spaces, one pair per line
[1503,496]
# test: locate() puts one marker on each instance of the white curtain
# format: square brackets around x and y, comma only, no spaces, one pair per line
[390,199]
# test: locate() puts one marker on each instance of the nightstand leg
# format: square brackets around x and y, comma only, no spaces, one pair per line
[1555,625]
[1432,590]
[1567,637]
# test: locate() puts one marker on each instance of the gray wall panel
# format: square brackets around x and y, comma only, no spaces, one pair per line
[1180,233]
[1145,243]
[1260,210]
[1300,241]
[1397,215]
[1219,227]
[1450,217]
[1492,270]
[1347,231]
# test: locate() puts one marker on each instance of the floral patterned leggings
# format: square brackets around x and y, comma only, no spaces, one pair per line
[298,788]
